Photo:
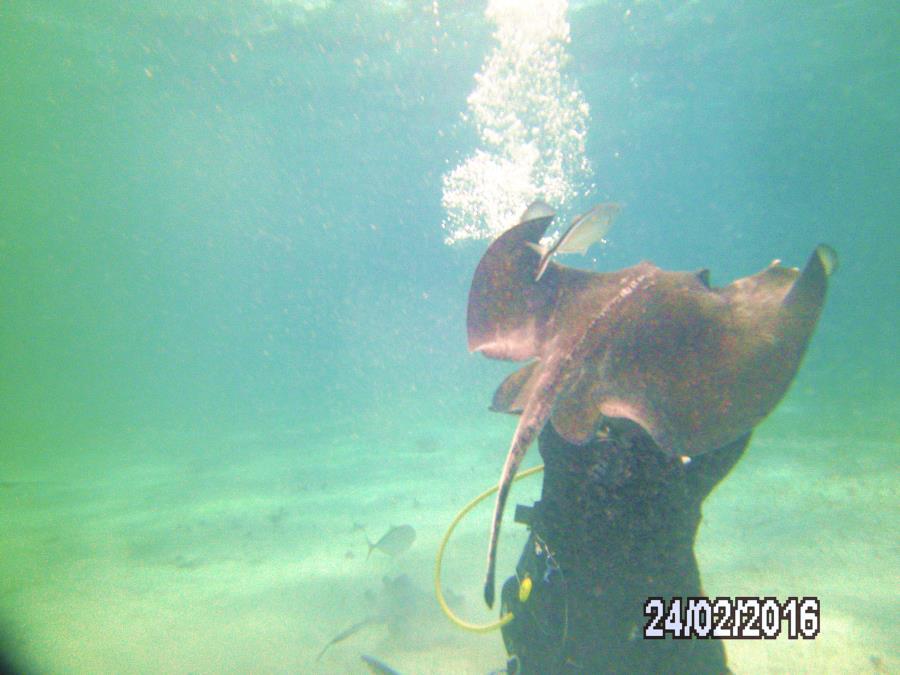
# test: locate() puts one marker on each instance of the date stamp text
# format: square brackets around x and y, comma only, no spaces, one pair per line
[741,618]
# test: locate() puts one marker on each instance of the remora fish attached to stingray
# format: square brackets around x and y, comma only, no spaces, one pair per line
[585,230]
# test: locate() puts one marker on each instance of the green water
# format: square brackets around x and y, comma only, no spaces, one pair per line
[230,327]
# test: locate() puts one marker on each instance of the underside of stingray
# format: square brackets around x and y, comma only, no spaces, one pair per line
[694,366]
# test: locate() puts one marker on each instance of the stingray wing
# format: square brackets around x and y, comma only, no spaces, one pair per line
[695,367]
[514,392]
[507,310]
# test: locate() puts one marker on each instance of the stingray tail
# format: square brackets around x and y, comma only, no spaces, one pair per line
[517,449]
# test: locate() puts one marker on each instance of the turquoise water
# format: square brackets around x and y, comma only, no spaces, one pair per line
[231,327]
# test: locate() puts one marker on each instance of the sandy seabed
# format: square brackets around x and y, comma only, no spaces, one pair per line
[238,554]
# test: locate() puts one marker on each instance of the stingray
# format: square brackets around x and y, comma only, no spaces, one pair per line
[694,366]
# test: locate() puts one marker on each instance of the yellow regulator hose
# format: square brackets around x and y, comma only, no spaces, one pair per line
[476,628]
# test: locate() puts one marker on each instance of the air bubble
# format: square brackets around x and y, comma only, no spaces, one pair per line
[531,120]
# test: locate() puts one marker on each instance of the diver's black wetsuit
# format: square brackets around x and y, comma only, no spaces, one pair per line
[615,525]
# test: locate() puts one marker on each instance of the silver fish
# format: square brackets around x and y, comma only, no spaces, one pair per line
[395,541]
[585,230]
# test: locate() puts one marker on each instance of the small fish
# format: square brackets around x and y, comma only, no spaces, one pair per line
[344,634]
[395,541]
[377,666]
[585,230]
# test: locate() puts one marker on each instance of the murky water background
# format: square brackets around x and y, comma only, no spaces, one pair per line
[232,328]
